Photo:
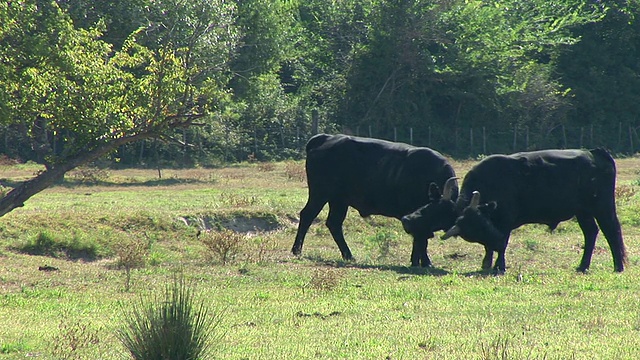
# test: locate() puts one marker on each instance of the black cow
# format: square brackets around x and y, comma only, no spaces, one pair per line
[374,177]
[543,187]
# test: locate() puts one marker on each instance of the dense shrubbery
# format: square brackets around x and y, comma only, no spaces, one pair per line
[282,70]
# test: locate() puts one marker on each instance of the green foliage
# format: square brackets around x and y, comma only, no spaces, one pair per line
[63,244]
[174,326]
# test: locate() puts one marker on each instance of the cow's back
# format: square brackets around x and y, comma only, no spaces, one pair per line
[540,186]
[374,176]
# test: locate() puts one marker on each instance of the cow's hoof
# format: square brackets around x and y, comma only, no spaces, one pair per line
[498,272]
[582,270]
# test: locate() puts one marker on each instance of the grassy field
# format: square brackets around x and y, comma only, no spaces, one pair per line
[274,305]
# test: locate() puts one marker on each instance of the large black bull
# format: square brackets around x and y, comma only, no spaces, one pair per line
[374,177]
[503,192]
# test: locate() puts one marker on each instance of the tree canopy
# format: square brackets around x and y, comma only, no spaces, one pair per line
[205,82]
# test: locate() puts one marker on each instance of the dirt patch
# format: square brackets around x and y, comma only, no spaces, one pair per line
[244,223]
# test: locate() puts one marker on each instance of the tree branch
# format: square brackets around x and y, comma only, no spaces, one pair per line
[16,197]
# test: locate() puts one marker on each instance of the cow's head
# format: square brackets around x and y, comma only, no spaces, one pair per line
[438,214]
[475,225]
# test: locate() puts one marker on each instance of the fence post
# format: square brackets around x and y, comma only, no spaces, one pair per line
[515,136]
[314,121]
[581,135]
[255,142]
[526,139]
[619,135]
[370,131]
[564,137]
[395,134]
[484,141]
[630,140]
[411,135]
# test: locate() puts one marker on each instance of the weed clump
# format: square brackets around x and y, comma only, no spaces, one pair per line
[73,338]
[222,245]
[624,193]
[325,279]
[132,253]
[383,242]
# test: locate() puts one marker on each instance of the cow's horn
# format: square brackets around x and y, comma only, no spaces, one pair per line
[475,200]
[448,188]
[454,231]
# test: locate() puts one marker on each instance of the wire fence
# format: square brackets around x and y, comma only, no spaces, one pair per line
[280,143]
[468,142]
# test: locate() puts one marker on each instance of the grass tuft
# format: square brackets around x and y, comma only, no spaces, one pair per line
[175,326]
[325,279]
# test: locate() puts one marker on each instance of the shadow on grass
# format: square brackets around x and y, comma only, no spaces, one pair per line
[403,270]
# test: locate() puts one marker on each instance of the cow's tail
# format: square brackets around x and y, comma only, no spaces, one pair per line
[316,141]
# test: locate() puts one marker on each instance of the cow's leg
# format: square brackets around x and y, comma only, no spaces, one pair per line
[590,231]
[307,215]
[500,267]
[610,226]
[487,261]
[337,213]
[419,254]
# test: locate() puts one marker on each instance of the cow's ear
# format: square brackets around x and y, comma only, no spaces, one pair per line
[434,192]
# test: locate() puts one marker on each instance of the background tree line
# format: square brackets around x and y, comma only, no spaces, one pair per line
[184,82]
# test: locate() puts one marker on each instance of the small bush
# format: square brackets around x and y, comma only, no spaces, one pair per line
[295,171]
[175,326]
[222,245]
[132,253]
[261,246]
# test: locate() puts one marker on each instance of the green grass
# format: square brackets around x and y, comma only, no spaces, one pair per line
[277,306]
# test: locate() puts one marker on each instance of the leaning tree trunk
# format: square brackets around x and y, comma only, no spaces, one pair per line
[21,193]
